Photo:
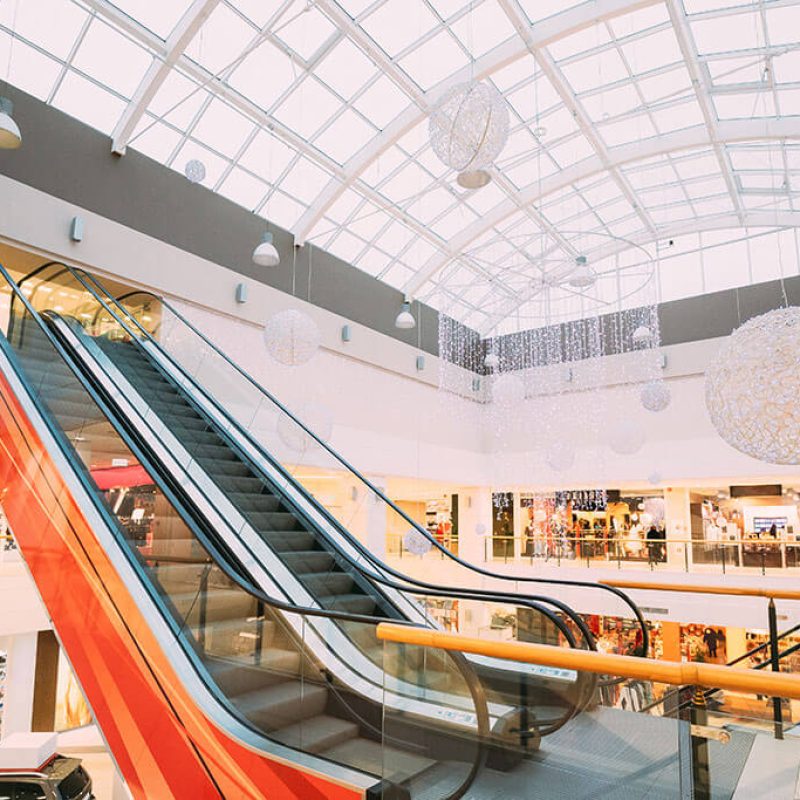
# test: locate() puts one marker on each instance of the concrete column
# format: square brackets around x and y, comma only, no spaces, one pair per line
[736,644]
[679,527]
[474,524]
[21,668]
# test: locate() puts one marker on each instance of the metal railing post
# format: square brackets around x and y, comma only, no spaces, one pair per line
[701,769]
[775,661]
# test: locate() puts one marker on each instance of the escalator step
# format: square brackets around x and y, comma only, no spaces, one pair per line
[379,759]
[308,561]
[283,541]
[238,676]
[255,503]
[353,603]
[283,705]
[327,584]
[220,605]
[279,521]
[317,734]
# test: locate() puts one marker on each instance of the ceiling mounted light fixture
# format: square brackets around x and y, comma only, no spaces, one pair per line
[583,276]
[473,179]
[405,319]
[10,136]
[266,254]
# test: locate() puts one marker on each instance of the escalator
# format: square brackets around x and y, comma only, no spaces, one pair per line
[272,605]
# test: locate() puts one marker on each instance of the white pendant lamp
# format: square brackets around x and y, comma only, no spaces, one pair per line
[405,319]
[583,276]
[266,254]
[10,136]
[492,361]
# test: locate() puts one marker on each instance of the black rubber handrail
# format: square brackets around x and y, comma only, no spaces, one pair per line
[474,685]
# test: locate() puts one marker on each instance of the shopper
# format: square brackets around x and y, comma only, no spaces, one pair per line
[653,545]
[710,641]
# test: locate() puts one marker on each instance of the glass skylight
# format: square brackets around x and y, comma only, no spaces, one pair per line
[677,118]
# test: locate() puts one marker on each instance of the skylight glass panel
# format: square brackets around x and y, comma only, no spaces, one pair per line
[367,222]
[267,156]
[755,158]
[678,212]
[406,184]
[456,220]
[534,99]
[611,102]
[570,152]
[541,9]
[600,192]
[678,117]
[595,70]
[789,100]
[373,261]
[485,199]
[520,143]
[430,161]
[243,188]
[157,140]
[397,24]
[304,181]
[381,102]
[652,52]
[418,253]
[619,209]
[282,210]
[346,246]
[590,38]
[767,182]
[345,69]
[696,166]
[558,125]
[308,107]
[431,205]
[221,40]
[347,134]
[657,174]
[705,188]
[447,8]
[28,69]
[727,71]
[666,86]
[742,106]
[641,20]
[257,11]
[89,103]
[699,6]
[111,58]
[383,166]
[397,275]
[786,67]
[250,77]
[305,33]
[222,129]
[482,29]
[344,206]
[783,24]
[434,60]
[178,100]
[53,25]
[160,17]
[395,238]
[710,206]
[214,164]
[518,71]
[662,195]
[732,32]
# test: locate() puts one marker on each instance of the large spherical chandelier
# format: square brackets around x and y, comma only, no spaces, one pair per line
[626,437]
[753,388]
[469,129]
[292,337]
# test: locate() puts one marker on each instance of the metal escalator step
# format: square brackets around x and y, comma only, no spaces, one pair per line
[317,734]
[308,561]
[283,541]
[378,759]
[352,603]
[279,521]
[254,503]
[227,469]
[216,452]
[239,484]
[327,584]
[220,605]
[284,704]
[239,675]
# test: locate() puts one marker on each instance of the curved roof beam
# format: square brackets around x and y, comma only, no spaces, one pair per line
[540,34]
[748,219]
[740,130]
[183,33]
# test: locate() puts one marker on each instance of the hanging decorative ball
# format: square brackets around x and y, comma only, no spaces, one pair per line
[195,171]
[642,336]
[655,396]
[655,478]
[292,337]
[480,529]
[492,361]
[416,543]
[316,417]
[508,390]
[560,456]
[469,129]
[753,388]
[626,437]
[583,276]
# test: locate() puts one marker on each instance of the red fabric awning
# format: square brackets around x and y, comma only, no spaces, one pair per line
[117,477]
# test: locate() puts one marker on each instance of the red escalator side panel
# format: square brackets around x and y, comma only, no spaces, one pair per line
[164,745]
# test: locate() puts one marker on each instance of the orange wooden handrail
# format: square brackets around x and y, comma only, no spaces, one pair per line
[677,673]
[738,591]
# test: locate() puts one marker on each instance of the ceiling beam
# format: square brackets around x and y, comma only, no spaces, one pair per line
[559,25]
[728,131]
[185,30]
